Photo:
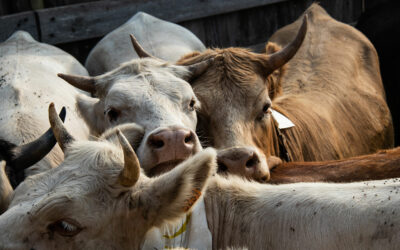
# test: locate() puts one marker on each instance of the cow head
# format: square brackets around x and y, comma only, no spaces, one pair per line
[153,94]
[236,96]
[97,198]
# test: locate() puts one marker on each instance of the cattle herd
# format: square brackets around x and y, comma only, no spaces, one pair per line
[163,143]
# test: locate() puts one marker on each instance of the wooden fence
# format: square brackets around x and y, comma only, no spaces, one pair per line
[218,23]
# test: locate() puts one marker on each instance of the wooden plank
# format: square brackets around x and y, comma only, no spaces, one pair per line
[22,21]
[254,26]
[56,3]
[95,19]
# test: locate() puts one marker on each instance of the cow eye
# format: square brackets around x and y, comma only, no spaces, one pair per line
[266,108]
[265,111]
[191,104]
[65,227]
[112,114]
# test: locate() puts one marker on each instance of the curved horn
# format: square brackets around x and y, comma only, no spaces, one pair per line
[85,83]
[278,59]
[28,154]
[60,132]
[138,48]
[130,174]
[198,68]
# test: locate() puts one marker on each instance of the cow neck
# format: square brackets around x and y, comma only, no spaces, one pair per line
[189,232]
[231,214]
[279,142]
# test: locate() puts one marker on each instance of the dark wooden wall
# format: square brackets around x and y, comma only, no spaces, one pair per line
[76,28]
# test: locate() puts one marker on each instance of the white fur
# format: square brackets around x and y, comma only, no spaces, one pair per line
[28,83]
[240,214]
[160,38]
[84,188]
[146,91]
[362,215]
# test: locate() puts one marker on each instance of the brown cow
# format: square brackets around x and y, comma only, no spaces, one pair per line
[382,165]
[331,90]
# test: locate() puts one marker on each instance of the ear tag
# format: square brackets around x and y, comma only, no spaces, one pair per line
[283,121]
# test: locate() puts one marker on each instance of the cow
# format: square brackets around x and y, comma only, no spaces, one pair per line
[154,94]
[28,82]
[382,165]
[319,98]
[163,39]
[122,206]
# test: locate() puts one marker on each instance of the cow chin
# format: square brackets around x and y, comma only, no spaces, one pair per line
[163,167]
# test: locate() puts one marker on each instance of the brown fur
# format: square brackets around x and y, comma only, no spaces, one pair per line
[331,90]
[382,165]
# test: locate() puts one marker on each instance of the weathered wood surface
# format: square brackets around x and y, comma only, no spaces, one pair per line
[216,22]
[255,25]
[21,21]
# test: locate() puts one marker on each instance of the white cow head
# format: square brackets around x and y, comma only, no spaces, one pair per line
[152,93]
[97,198]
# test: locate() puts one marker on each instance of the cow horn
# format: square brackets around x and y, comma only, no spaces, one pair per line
[130,174]
[138,48]
[198,68]
[28,154]
[85,83]
[60,132]
[281,57]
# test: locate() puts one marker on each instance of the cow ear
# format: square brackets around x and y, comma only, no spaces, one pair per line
[133,132]
[92,111]
[173,194]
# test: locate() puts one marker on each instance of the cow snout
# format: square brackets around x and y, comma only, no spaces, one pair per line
[170,146]
[245,162]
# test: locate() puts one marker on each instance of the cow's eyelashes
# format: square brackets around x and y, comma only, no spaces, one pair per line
[112,114]
[266,108]
[65,227]
[192,105]
[265,111]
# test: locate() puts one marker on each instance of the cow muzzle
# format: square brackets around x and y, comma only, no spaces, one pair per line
[243,161]
[170,146]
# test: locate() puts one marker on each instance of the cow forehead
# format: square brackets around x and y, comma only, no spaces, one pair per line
[87,167]
[231,96]
[151,80]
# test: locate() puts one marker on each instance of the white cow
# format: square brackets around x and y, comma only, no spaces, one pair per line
[152,93]
[28,83]
[98,199]
[163,39]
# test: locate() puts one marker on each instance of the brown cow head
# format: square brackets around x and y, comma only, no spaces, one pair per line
[236,96]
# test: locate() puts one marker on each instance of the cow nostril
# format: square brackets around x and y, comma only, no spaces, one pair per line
[264,178]
[188,138]
[222,167]
[252,162]
[156,143]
